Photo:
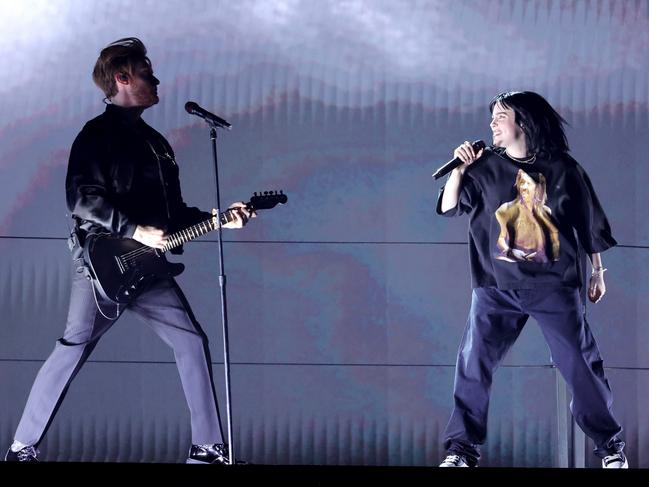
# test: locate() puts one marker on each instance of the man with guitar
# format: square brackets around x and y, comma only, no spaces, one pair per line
[122,182]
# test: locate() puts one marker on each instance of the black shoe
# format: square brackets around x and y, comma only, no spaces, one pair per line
[216,454]
[26,454]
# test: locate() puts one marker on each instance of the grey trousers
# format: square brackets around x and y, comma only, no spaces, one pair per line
[164,307]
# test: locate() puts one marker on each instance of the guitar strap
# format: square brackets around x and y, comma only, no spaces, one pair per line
[165,155]
[76,249]
[81,266]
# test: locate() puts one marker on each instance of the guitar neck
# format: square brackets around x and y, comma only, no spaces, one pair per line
[190,233]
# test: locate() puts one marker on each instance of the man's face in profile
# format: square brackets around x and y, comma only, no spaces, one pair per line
[144,85]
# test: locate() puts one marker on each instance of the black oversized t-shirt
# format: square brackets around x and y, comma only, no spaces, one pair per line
[528,221]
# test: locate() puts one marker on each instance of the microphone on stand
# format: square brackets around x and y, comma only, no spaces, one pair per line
[457,162]
[194,109]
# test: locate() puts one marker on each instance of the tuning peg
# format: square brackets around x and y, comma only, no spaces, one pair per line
[255,193]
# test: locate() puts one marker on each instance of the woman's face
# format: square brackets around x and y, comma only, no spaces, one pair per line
[504,127]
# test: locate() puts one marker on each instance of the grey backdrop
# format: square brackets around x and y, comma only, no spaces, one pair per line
[346,305]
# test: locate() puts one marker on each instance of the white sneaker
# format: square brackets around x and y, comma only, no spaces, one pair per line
[617,460]
[454,461]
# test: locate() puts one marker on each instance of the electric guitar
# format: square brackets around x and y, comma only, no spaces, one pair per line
[120,268]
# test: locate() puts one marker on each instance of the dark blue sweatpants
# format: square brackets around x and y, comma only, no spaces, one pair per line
[495,321]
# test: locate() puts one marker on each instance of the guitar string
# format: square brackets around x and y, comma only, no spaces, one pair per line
[196,232]
[182,238]
[177,236]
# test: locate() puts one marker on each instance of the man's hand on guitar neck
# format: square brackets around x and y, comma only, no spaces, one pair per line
[151,236]
[241,215]
[156,238]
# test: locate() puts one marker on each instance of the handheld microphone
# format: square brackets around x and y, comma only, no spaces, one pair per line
[194,109]
[453,163]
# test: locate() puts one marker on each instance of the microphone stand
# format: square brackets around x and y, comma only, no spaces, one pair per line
[224,309]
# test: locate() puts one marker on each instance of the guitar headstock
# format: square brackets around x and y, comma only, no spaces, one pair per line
[267,199]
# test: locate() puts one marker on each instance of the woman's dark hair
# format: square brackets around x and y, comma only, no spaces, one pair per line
[541,124]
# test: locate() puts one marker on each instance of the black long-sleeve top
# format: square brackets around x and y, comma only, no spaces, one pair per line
[121,174]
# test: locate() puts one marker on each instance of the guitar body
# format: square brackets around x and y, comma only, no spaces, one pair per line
[122,268]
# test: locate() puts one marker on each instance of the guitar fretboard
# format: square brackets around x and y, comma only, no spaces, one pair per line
[178,238]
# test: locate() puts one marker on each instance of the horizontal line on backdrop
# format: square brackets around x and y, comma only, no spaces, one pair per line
[297,364]
[300,364]
[317,242]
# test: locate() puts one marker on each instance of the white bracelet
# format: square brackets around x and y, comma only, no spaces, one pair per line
[598,271]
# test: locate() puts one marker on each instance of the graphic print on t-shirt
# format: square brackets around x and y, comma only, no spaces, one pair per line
[528,232]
